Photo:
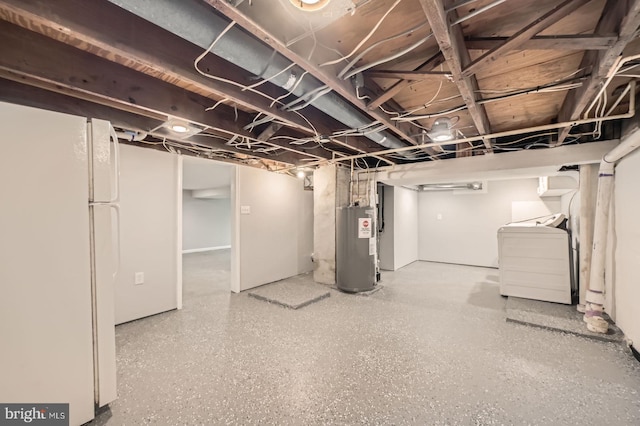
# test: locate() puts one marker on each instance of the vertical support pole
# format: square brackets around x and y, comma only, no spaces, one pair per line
[588,190]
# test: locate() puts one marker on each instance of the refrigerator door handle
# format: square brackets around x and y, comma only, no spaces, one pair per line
[116,166]
[116,269]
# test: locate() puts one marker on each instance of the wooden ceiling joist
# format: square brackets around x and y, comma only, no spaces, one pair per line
[428,65]
[522,36]
[622,17]
[451,42]
[83,75]
[407,75]
[341,87]
[554,42]
[133,42]
[18,93]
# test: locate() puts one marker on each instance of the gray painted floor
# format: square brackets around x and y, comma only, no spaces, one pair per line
[431,347]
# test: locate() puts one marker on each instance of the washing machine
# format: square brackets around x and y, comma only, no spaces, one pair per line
[535,259]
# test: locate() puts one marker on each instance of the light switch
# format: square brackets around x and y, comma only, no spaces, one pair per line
[139,278]
[439,216]
[245,209]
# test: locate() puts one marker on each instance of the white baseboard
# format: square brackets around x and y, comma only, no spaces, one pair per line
[198,250]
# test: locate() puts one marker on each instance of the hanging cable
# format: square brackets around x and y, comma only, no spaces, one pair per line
[367,37]
[376,44]
[388,58]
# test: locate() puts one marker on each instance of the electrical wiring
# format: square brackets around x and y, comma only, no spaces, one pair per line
[224,80]
[359,96]
[387,58]
[376,44]
[538,89]
[221,101]
[254,85]
[364,40]
[302,98]
[312,100]
[295,86]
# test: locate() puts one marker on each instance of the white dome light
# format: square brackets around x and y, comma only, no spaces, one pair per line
[441,130]
[309,5]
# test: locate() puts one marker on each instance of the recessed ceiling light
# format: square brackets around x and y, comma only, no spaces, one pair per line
[179,128]
[309,5]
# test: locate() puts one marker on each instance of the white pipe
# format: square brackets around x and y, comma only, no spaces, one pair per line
[609,78]
[595,294]
[629,114]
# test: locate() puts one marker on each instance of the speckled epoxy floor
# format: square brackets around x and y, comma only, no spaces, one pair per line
[431,347]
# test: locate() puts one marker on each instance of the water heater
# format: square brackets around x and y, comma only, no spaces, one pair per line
[356,249]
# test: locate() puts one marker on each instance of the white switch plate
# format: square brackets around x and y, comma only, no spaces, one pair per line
[139,279]
[245,209]
[439,216]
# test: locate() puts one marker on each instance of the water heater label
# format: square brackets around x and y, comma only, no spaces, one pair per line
[364,227]
[372,246]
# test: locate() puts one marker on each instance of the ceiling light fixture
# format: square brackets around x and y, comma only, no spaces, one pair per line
[441,130]
[474,186]
[309,5]
[179,128]
[300,174]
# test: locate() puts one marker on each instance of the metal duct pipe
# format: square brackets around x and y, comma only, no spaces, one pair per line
[195,22]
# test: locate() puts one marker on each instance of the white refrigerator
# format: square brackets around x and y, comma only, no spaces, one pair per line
[58,259]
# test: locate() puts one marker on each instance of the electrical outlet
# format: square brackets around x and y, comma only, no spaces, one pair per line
[139,278]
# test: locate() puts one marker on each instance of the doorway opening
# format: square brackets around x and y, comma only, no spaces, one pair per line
[206,228]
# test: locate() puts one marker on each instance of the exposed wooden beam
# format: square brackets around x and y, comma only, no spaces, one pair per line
[14,92]
[34,59]
[63,68]
[428,65]
[273,128]
[520,37]
[554,42]
[622,17]
[341,87]
[107,31]
[451,42]
[407,75]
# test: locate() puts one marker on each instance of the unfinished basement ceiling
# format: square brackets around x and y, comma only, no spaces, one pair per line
[283,87]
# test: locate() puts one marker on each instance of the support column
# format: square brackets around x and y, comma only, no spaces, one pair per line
[588,191]
[330,191]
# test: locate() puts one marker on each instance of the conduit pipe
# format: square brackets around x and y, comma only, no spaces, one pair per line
[595,294]
[195,22]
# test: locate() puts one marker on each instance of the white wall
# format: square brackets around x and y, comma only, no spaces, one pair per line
[467,231]
[387,236]
[399,241]
[405,213]
[149,215]
[626,247]
[275,240]
[206,223]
